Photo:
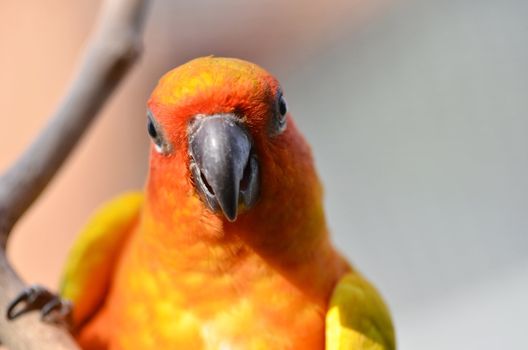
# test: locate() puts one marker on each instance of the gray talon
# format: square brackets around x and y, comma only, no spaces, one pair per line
[53,309]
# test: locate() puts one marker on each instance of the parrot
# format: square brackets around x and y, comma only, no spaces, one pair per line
[227,246]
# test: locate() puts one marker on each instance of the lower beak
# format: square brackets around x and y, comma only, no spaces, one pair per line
[223,164]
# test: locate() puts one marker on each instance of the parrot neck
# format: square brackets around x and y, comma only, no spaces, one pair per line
[294,244]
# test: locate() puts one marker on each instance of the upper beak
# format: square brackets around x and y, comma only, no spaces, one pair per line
[223,165]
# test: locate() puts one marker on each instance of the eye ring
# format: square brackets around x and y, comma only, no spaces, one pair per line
[278,124]
[156,135]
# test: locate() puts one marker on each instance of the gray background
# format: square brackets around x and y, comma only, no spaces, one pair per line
[419,125]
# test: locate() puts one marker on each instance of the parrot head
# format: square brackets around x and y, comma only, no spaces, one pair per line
[221,133]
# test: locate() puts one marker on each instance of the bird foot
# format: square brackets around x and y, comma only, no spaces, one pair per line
[53,309]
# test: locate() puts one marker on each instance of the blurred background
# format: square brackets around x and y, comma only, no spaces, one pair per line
[416,111]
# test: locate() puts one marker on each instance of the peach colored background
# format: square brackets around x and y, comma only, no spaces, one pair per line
[40,42]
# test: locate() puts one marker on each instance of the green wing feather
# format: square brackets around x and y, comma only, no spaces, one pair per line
[357,317]
[90,264]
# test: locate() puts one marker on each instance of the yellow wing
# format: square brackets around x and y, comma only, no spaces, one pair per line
[90,264]
[357,318]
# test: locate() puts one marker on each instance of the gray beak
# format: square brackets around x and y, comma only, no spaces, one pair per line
[223,164]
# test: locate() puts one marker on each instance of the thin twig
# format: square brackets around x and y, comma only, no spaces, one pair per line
[113,48]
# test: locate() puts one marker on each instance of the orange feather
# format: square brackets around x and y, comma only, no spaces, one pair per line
[187,278]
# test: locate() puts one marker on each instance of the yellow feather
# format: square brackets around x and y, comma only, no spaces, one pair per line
[357,318]
[90,264]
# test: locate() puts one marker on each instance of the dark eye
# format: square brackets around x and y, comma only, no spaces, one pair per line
[151,129]
[279,120]
[155,135]
[283,108]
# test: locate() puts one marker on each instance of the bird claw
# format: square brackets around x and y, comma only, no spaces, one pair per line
[53,309]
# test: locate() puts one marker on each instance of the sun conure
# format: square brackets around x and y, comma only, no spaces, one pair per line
[227,246]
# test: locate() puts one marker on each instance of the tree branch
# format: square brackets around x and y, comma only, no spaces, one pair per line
[113,48]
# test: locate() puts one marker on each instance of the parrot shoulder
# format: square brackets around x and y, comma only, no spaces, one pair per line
[90,263]
[357,317]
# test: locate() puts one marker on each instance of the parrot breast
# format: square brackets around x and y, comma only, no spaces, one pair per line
[213,295]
